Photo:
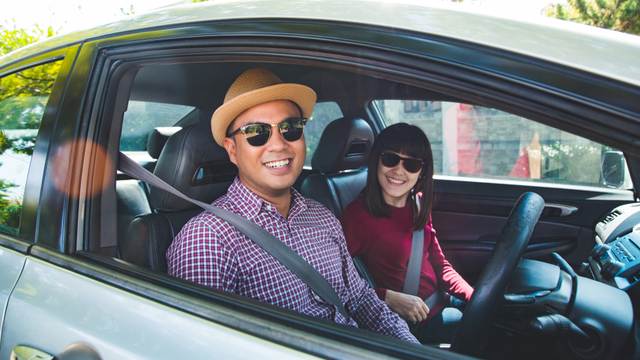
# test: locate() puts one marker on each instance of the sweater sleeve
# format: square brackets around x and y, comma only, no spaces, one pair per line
[448,276]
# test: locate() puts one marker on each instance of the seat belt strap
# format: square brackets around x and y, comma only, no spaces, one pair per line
[412,276]
[269,243]
[414,267]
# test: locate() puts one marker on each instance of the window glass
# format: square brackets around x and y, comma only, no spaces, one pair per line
[23,99]
[323,114]
[470,140]
[142,117]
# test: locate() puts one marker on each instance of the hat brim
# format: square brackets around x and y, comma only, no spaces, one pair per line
[302,95]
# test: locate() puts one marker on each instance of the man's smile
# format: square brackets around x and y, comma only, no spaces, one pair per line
[275,164]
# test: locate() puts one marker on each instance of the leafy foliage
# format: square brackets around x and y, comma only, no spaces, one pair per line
[620,15]
[12,38]
[23,98]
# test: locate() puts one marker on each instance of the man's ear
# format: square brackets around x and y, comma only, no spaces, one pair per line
[230,147]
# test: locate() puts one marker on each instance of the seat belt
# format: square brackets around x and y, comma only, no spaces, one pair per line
[414,267]
[269,243]
[412,276]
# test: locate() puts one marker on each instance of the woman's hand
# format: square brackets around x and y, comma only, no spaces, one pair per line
[411,308]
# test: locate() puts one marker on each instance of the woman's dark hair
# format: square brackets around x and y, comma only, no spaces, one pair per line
[411,141]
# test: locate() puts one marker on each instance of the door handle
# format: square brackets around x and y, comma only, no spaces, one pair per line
[558,210]
[72,352]
[23,352]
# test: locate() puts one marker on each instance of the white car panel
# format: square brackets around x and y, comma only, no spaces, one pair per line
[11,264]
[72,308]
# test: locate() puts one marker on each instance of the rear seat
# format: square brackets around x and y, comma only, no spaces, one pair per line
[132,196]
[340,158]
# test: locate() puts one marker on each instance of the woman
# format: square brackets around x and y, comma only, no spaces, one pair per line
[379,228]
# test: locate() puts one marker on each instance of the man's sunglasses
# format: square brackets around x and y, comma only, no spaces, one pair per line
[257,134]
[390,159]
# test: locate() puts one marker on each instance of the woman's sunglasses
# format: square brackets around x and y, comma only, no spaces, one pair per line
[390,159]
[257,134]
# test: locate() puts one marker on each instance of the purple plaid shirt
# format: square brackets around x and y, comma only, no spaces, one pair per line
[210,252]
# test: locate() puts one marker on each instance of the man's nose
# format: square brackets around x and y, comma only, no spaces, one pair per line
[276,141]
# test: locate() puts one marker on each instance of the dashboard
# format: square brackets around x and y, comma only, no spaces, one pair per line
[590,313]
[615,259]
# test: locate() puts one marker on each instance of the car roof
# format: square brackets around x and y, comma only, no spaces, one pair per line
[603,52]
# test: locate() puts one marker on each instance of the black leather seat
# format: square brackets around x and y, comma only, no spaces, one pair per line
[156,141]
[192,163]
[132,196]
[340,160]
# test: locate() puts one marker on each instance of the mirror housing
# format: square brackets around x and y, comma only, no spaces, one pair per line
[613,169]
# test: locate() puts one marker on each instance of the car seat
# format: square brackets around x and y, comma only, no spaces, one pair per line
[192,163]
[340,159]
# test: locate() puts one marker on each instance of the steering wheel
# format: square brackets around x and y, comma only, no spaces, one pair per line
[472,336]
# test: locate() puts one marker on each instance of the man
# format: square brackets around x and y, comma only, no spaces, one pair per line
[260,125]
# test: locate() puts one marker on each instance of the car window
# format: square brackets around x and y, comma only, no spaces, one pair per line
[142,117]
[23,99]
[323,114]
[475,141]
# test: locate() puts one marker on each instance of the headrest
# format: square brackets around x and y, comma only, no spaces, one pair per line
[345,144]
[157,138]
[194,164]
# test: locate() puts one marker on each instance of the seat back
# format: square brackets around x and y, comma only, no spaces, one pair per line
[192,163]
[340,160]
[132,196]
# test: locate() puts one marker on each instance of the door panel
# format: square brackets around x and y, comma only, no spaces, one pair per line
[469,214]
[52,307]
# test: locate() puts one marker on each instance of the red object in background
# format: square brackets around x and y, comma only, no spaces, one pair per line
[469,162]
[521,167]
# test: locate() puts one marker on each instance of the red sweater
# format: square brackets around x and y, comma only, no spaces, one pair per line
[384,244]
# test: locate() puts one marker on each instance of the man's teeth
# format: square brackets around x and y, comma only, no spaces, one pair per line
[277,164]
[395,181]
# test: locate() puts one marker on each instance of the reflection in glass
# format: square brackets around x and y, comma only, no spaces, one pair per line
[23,99]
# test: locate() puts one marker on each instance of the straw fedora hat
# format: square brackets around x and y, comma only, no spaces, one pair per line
[254,87]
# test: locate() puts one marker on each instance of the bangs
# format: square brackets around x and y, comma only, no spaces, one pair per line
[402,140]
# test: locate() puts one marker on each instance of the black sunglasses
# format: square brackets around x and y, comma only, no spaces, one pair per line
[257,134]
[390,159]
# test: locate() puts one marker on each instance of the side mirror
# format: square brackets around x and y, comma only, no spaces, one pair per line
[613,169]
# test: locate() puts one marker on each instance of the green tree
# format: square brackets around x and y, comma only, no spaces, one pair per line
[620,15]
[23,97]
[12,37]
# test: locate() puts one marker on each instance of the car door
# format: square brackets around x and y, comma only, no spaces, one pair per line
[485,158]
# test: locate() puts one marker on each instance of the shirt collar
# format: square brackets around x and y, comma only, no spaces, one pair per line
[298,204]
[249,204]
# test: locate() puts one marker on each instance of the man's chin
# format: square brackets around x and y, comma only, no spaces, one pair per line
[281,185]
